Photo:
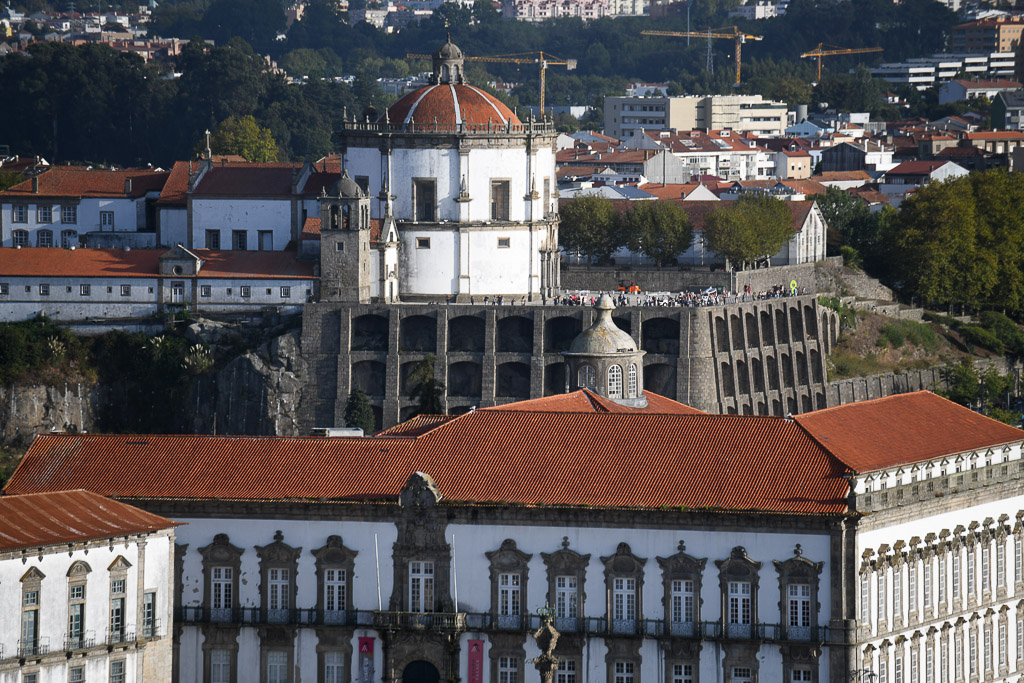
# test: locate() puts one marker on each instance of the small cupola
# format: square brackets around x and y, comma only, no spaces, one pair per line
[449,65]
[606,360]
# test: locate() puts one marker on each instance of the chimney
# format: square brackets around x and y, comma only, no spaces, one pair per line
[35,184]
[128,186]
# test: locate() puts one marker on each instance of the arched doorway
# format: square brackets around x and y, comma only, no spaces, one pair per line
[420,672]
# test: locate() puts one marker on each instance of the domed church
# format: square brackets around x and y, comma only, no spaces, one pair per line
[461,199]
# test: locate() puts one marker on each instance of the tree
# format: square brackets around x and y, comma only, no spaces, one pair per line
[427,390]
[753,227]
[589,226]
[256,21]
[660,229]
[243,137]
[358,412]
[847,218]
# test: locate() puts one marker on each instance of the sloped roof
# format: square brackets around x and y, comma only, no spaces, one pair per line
[450,104]
[524,457]
[42,519]
[415,426]
[916,168]
[73,182]
[138,263]
[175,190]
[837,176]
[248,180]
[586,401]
[902,429]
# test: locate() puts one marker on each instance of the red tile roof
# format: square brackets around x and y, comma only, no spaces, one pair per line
[523,457]
[916,168]
[980,84]
[450,104]
[311,229]
[59,181]
[54,262]
[834,176]
[904,428]
[669,191]
[421,424]
[248,180]
[42,519]
[996,135]
[586,401]
[175,190]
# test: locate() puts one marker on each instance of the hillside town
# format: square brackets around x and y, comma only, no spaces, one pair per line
[359,342]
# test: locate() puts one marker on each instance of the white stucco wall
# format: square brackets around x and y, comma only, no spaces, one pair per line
[173,223]
[251,215]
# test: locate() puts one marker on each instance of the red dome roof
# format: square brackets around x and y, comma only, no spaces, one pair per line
[450,103]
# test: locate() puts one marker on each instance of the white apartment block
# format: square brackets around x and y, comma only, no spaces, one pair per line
[741,113]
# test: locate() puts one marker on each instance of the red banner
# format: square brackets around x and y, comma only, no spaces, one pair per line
[366,660]
[476,661]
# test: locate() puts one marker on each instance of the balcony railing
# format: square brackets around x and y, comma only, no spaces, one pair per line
[79,641]
[476,621]
[150,629]
[120,637]
[33,648]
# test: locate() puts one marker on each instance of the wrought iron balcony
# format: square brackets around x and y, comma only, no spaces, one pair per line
[33,648]
[79,641]
[150,629]
[120,637]
[419,621]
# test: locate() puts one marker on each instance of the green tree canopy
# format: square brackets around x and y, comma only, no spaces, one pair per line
[244,137]
[358,412]
[753,227]
[589,225]
[660,229]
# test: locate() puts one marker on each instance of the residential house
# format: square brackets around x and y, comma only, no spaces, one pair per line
[909,175]
[865,155]
[963,90]
[1007,111]
[793,164]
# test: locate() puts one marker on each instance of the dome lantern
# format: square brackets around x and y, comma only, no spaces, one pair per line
[605,360]
[449,65]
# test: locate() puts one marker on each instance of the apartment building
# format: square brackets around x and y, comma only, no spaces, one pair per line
[741,113]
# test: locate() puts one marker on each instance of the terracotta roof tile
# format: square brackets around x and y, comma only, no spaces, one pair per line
[175,190]
[586,401]
[450,104]
[916,168]
[60,181]
[252,180]
[42,519]
[416,426]
[900,429]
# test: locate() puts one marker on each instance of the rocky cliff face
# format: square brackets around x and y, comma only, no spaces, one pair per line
[28,410]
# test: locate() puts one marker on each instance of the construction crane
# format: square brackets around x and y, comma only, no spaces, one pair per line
[734,34]
[541,59]
[824,50]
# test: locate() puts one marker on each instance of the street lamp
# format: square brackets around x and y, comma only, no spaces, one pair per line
[863,676]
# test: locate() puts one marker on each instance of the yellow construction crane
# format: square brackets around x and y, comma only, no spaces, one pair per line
[824,50]
[541,59]
[734,34]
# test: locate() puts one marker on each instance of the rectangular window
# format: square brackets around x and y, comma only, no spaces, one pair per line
[926,587]
[897,670]
[912,588]
[929,665]
[424,195]
[76,674]
[117,586]
[213,239]
[739,602]
[897,594]
[116,617]
[508,670]
[970,573]
[624,672]
[801,675]
[1002,645]
[106,220]
[987,652]
[682,601]
[742,674]
[44,213]
[942,579]
[335,581]
[682,673]
[239,240]
[958,659]
[19,213]
[504,242]
[566,672]
[623,599]
[220,666]
[499,200]
[84,290]
[277,667]
[204,290]
[126,290]
[1018,559]
[334,668]
[68,238]
[565,597]
[44,290]
[222,587]
[5,289]
[986,567]
[800,604]
[547,196]
[421,586]
[865,598]
[423,243]
[20,238]
[956,576]
[246,291]
[913,665]
[117,671]
[266,240]
[1000,564]
[883,672]
[944,664]
[974,654]
[278,580]
[508,595]
[69,215]
[286,292]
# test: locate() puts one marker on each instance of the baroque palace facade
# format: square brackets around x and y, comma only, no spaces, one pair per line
[877,541]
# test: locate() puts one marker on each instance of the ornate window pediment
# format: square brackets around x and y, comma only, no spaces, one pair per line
[682,577]
[119,565]
[420,491]
[567,574]
[32,575]
[78,569]
[221,551]
[509,574]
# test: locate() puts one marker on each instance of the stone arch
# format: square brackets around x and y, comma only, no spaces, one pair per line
[796,324]
[781,327]
[736,325]
[624,323]
[773,372]
[370,375]
[559,333]
[825,336]
[742,378]
[513,380]
[762,408]
[418,333]
[515,334]
[464,379]
[728,386]
[722,333]
[767,332]
[816,366]
[466,333]
[731,410]
[834,337]
[661,379]
[787,372]
[805,403]
[370,333]
[554,378]
[420,670]
[751,320]
[408,412]
[746,409]
[660,335]
[791,405]
[776,407]
[801,368]
[819,400]
[810,322]
[757,370]
[405,372]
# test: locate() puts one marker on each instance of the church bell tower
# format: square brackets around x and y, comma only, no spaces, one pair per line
[345,272]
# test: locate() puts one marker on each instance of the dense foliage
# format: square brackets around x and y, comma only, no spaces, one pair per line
[751,228]
[659,229]
[359,412]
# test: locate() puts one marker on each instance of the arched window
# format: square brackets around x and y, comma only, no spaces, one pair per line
[69,238]
[586,377]
[615,381]
[44,238]
[633,389]
[345,210]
